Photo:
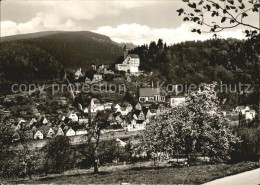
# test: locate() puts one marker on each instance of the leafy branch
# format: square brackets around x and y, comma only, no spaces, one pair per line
[221,10]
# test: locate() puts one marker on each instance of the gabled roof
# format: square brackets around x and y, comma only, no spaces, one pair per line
[241,107]
[44,130]
[139,121]
[68,114]
[251,111]
[123,108]
[137,112]
[133,55]
[41,118]
[149,92]
[69,129]
[95,101]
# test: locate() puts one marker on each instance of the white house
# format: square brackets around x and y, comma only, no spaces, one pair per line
[78,74]
[97,78]
[141,116]
[176,101]
[117,106]
[43,120]
[95,105]
[81,132]
[70,132]
[108,106]
[250,115]
[136,125]
[130,64]
[135,117]
[33,120]
[60,132]
[123,111]
[38,135]
[50,133]
[120,142]
[242,109]
[129,107]
[150,95]
[138,106]
[72,116]
[151,113]
[87,80]
[83,119]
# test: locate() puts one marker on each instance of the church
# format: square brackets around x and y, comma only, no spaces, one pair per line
[130,64]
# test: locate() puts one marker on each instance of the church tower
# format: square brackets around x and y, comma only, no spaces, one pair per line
[125,52]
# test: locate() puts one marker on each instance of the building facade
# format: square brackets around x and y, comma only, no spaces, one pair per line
[130,64]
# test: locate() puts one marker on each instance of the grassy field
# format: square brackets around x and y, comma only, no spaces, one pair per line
[191,174]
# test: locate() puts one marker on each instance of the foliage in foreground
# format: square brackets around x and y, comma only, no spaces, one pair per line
[57,154]
[196,126]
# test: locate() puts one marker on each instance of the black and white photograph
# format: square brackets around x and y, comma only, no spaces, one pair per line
[130,92]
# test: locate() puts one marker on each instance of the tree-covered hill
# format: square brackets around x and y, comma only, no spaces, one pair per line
[70,49]
[27,36]
[20,62]
[230,61]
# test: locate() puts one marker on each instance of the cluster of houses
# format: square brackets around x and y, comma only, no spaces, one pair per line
[42,128]
[130,64]
[124,116]
[133,118]
[246,112]
[152,102]
[97,77]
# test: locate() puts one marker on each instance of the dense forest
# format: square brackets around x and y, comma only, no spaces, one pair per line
[37,58]
[43,53]
[230,61]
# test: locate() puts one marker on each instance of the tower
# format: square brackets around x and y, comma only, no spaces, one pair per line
[125,52]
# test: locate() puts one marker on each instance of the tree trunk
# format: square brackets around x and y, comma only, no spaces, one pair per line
[95,166]
[188,158]
[95,161]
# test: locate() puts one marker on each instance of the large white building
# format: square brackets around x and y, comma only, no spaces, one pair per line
[130,64]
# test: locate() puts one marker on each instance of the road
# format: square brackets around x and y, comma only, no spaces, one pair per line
[246,178]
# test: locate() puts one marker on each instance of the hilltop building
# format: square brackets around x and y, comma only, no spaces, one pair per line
[130,64]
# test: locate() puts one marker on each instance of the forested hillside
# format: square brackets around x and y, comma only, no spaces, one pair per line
[44,56]
[230,61]
[54,50]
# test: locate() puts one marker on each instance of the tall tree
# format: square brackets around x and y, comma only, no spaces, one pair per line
[57,153]
[160,44]
[195,126]
[90,148]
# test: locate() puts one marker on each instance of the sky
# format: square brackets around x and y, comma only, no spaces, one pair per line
[128,21]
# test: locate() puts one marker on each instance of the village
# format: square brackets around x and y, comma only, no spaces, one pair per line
[72,116]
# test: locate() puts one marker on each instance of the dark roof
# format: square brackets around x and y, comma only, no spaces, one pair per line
[133,56]
[139,121]
[137,112]
[44,129]
[153,110]
[149,92]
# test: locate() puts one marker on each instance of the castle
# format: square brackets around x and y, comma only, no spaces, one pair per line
[130,64]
